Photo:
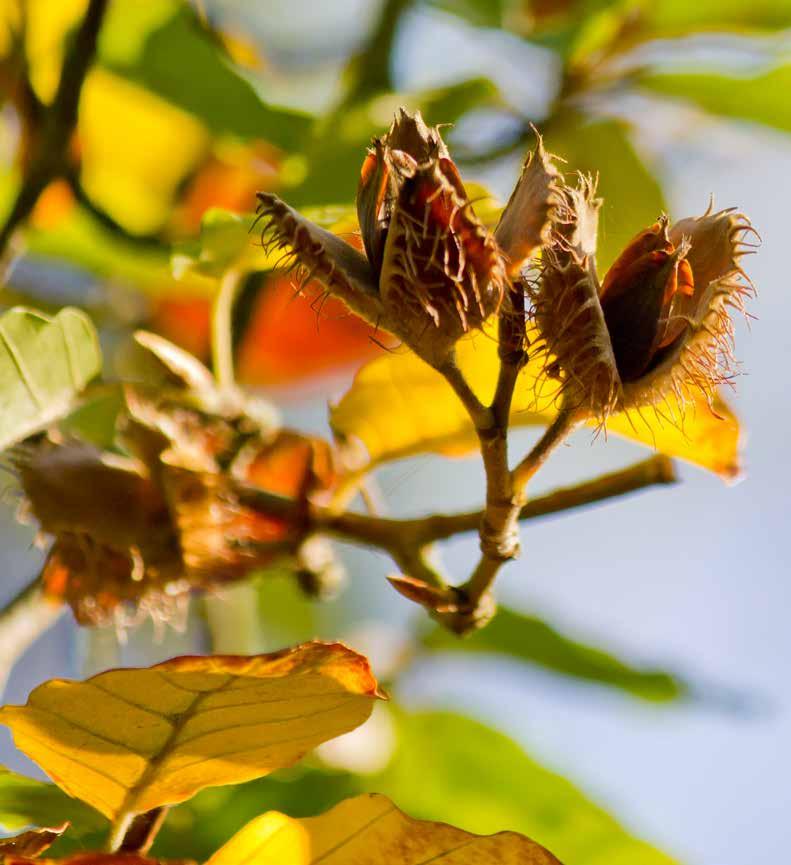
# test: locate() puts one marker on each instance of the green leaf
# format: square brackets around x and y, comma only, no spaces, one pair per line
[233,240]
[179,61]
[528,638]
[445,766]
[44,364]
[632,195]
[761,98]
[204,823]
[448,765]
[95,419]
[682,16]
[25,802]
[481,13]
[580,28]
[447,104]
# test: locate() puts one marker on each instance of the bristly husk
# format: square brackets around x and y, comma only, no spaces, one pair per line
[676,338]
[433,271]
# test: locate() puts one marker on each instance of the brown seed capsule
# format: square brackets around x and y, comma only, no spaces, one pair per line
[133,536]
[433,271]
[658,325]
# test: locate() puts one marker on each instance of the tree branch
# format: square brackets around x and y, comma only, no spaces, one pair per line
[499,530]
[49,158]
[656,470]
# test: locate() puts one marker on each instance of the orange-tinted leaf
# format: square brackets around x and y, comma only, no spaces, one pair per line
[369,830]
[30,843]
[398,406]
[185,321]
[127,741]
[293,337]
[53,205]
[97,859]
[229,178]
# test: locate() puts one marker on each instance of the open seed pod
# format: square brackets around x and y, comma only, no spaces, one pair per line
[133,535]
[431,270]
[657,328]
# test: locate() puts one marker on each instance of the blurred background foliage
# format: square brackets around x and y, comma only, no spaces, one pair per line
[195,106]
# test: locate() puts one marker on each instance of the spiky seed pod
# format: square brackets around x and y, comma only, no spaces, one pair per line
[432,270]
[658,326]
[133,536]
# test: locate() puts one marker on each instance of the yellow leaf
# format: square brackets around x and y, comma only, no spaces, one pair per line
[136,149]
[127,741]
[398,406]
[46,27]
[369,830]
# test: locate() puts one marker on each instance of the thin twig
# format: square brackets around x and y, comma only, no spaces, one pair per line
[49,159]
[656,470]
[22,621]
[564,423]
[481,416]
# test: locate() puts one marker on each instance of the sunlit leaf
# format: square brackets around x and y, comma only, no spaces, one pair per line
[25,802]
[398,406]
[136,150]
[371,829]
[44,364]
[528,638]
[632,195]
[127,741]
[761,98]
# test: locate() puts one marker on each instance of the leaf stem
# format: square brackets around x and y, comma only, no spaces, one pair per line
[222,330]
[118,831]
[564,423]
[141,831]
